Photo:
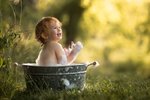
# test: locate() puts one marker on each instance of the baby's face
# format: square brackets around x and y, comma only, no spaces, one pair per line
[55,31]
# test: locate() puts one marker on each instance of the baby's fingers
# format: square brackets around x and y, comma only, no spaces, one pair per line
[72,45]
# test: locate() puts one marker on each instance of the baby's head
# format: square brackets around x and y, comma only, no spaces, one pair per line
[47,26]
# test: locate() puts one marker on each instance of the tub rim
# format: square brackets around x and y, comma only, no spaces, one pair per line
[35,65]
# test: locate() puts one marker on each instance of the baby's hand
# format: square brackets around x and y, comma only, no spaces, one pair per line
[78,46]
[73,51]
[74,48]
[67,51]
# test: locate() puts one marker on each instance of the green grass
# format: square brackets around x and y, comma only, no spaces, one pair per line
[106,89]
[117,86]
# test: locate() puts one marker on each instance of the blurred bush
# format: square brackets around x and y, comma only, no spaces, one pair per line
[115,33]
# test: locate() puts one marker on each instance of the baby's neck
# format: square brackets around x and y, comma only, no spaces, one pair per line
[50,42]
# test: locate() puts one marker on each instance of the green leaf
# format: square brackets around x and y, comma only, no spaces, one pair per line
[1,62]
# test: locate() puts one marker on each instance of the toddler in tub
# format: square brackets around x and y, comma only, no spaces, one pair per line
[48,32]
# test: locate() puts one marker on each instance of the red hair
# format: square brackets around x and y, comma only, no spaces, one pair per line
[42,28]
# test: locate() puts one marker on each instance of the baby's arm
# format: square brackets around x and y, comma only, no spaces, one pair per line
[73,51]
[60,54]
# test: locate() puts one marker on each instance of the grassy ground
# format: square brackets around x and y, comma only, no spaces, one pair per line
[106,89]
[118,86]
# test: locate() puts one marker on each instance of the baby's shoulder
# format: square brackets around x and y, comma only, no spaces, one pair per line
[56,45]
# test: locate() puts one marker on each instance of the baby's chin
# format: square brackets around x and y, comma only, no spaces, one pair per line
[58,39]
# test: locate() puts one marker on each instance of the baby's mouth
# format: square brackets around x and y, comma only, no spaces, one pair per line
[59,34]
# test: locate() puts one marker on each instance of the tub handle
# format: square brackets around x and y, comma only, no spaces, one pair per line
[17,64]
[94,63]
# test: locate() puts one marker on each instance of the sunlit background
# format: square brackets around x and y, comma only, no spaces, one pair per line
[116,33]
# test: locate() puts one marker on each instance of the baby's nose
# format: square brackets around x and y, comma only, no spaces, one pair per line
[59,29]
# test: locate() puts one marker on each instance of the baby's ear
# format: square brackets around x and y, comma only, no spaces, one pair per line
[44,36]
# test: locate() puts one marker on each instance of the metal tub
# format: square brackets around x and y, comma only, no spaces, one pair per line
[57,77]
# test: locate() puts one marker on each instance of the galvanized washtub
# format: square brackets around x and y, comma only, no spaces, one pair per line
[57,77]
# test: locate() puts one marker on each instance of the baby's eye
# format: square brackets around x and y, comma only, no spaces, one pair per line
[59,27]
[54,27]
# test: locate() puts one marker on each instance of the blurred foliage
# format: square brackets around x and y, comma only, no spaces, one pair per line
[116,33]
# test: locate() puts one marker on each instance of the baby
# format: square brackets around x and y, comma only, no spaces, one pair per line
[48,32]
